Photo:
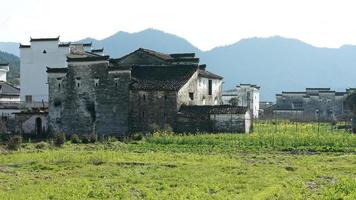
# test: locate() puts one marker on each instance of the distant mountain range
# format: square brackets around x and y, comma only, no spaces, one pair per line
[276,63]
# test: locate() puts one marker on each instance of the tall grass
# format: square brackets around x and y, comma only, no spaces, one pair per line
[284,136]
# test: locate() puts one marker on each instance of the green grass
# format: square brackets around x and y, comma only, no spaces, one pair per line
[285,164]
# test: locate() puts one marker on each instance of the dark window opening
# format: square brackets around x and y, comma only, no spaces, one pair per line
[59,86]
[144,97]
[143,114]
[165,97]
[44,51]
[116,84]
[96,84]
[78,84]
[210,87]
[191,96]
[38,125]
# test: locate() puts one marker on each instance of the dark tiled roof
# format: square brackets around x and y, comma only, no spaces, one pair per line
[57,70]
[67,44]
[4,64]
[168,77]
[86,56]
[87,44]
[340,93]
[44,39]
[294,93]
[10,105]
[217,109]
[24,46]
[97,50]
[182,55]
[180,60]
[160,55]
[318,89]
[7,89]
[207,74]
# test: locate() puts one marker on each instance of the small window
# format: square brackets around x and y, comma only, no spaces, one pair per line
[210,87]
[116,80]
[96,82]
[78,84]
[44,51]
[144,97]
[59,86]
[165,97]
[191,96]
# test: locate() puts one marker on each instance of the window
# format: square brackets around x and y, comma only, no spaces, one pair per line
[96,82]
[28,98]
[44,51]
[210,87]
[77,82]
[144,97]
[165,97]
[191,96]
[59,86]
[116,81]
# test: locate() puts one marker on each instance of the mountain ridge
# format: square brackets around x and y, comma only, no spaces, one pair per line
[275,63]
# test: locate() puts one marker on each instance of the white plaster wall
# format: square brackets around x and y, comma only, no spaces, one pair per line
[10,99]
[253,103]
[33,67]
[203,91]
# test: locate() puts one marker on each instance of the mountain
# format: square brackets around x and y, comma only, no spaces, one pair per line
[10,47]
[280,64]
[123,43]
[275,63]
[14,61]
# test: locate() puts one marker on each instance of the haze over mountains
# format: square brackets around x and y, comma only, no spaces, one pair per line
[276,63]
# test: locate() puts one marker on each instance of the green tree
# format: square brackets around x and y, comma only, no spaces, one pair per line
[234,101]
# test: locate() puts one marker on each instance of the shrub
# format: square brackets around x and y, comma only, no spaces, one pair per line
[85,139]
[41,145]
[167,128]
[59,139]
[75,139]
[153,128]
[93,138]
[14,142]
[136,136]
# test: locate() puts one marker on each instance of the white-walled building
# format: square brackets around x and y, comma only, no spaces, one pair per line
[9,94]
[248,95]
[34,60]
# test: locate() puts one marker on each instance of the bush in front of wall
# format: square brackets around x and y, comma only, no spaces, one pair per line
[75,139]
[59,139]
[14,142]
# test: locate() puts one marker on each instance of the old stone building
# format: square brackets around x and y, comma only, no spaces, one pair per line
[116,96]
[311,104]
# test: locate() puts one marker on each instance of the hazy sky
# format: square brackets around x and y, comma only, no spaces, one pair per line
[205,23]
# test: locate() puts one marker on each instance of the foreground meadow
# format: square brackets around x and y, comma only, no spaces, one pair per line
[285,164]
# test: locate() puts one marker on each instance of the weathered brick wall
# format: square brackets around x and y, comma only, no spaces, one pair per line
[148,107]
[98,104]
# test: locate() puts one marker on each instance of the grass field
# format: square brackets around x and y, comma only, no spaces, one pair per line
[286,162]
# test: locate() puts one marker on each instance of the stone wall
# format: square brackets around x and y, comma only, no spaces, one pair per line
[90,99]
[148,107]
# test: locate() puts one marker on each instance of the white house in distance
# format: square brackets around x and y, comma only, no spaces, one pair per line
[9,94]
[248,95]
[34,60]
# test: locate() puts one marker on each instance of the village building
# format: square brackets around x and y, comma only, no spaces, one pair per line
[34,58]
[247,95]
[9,94]
[115,96]
[313,104]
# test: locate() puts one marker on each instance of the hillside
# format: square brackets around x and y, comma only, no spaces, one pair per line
[14,61]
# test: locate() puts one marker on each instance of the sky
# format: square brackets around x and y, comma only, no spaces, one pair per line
[204,23]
